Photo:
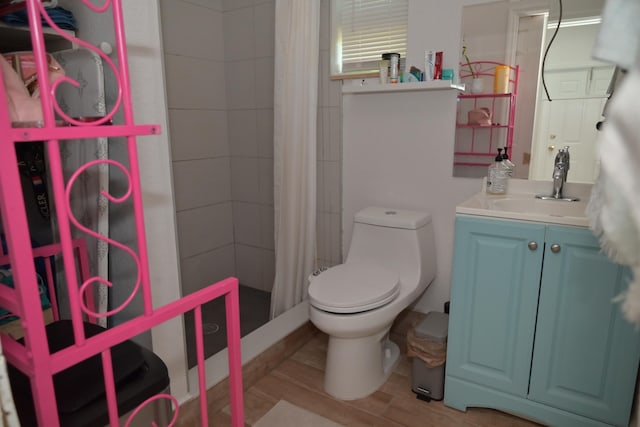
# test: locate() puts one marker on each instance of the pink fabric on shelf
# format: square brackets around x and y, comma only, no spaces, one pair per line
[480,117]
[21,106]
[21,83]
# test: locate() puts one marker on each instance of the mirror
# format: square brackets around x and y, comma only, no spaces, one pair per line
[517,33]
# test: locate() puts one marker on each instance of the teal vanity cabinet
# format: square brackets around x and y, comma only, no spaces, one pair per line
[533,328]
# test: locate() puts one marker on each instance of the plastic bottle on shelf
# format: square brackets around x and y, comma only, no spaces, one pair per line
[394,64]
[497,176]
[501,79]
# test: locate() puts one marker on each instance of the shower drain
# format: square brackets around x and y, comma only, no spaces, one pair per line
[210,328]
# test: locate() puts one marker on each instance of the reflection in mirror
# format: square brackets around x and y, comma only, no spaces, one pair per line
[518,33]
[578,88]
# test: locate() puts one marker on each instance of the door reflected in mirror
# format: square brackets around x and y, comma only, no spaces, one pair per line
[517,33]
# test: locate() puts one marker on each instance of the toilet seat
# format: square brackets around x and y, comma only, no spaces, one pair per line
[353,288]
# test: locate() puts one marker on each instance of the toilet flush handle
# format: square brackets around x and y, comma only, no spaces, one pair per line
[317,273]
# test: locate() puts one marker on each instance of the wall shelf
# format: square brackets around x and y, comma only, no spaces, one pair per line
[401,87]
[16,38]
[482,126]
[486,95]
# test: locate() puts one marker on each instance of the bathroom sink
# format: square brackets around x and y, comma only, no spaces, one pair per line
[538,206]
[520,203]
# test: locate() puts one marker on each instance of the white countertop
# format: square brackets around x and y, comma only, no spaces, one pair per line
[521,204]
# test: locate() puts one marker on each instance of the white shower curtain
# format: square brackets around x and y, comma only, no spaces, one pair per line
[295,116]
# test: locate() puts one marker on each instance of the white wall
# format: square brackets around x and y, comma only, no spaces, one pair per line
[484,29]
[142,20]
[572,48]
[398,147]
[528,57]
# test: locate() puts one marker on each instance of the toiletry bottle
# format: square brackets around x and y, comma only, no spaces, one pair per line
[497,176]
[429,64]
[384,71]
[394,63]
[501,79]
[508,163]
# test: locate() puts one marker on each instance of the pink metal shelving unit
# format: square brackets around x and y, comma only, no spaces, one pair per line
[33,357]
[491,135]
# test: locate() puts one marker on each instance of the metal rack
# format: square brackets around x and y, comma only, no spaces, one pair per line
[35,356]
[475,144]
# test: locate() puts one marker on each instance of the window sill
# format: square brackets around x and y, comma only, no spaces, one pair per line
[401,87]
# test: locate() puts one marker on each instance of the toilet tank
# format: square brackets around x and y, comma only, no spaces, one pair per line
[400,240]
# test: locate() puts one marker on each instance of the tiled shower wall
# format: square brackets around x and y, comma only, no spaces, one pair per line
[249,47]
[219,60]
[329,203]
[196,97]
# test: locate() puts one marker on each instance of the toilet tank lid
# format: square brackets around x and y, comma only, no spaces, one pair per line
[395,218]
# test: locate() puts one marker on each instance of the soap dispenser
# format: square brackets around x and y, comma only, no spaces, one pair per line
[497,176]
[508,163]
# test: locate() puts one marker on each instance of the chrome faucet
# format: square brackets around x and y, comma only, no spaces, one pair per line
[560,171]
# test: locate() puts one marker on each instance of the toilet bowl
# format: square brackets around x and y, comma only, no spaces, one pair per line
[390,262]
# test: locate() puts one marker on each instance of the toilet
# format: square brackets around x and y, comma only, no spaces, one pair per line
[390,262]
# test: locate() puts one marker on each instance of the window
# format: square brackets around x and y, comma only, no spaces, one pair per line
[364,29]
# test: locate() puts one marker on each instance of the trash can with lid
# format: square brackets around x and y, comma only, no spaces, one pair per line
[427,344]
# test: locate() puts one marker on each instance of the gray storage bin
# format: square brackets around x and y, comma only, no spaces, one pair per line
[428,382]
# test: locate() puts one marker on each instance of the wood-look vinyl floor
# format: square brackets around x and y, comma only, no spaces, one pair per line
[299,381]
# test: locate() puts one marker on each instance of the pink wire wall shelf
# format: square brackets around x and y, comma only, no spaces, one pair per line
[33,357]
[483,140]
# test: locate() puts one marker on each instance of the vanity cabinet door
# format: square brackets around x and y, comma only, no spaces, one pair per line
[586,354]
[494,295]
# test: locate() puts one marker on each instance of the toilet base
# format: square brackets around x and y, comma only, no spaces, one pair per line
[356,367]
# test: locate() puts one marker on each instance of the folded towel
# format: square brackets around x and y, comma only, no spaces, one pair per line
[6,279]
[62,18]
[52,3]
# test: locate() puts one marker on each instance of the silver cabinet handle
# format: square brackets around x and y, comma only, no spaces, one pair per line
[533,246]
[555,248]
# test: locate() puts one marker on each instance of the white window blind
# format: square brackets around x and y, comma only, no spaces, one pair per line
[367,29]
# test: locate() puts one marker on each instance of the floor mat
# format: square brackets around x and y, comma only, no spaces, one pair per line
[286,414]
